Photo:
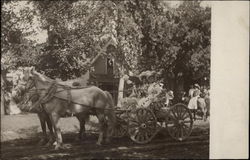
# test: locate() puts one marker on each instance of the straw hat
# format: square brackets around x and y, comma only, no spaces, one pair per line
[196,86]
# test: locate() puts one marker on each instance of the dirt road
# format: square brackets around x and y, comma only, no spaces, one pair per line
[162,146]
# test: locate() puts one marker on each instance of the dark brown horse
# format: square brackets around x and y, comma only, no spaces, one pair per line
[23,100]
[27,100]
[81,102]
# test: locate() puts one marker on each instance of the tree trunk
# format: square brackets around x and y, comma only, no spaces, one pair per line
[3,85]
[178,88]
[2,103]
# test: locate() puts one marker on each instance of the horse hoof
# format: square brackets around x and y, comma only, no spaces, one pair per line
[107,141]
[49,143]
[58,147]
[77,139]
[41,142]
[98,143]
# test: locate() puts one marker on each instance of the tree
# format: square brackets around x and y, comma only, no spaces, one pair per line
[15,26]
[75,30]
[191,40]
[175,40]
[16,50]
[146,34]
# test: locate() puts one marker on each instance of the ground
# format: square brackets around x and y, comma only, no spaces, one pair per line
[162,146]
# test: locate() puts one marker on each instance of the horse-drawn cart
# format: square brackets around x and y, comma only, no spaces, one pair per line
[143,123]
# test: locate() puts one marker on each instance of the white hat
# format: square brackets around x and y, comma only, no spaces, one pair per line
[196,86]
[129,82]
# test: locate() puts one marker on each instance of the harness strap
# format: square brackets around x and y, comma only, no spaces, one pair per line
[69,95]
[50,93]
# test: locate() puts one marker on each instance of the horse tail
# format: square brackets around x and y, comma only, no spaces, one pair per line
[110,99]
[110,112]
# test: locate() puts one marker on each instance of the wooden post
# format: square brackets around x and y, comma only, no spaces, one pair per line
[120,91]
[2,94]
[120,87]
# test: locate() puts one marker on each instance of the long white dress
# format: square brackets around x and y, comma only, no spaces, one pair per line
[193,101]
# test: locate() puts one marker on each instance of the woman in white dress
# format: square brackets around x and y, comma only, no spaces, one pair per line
[192,105]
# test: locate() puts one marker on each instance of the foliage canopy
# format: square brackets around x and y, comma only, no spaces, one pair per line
[145,34]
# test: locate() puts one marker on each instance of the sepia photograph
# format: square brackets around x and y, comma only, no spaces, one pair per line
[105,79]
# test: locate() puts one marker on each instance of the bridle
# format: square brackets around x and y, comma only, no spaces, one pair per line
[28,96]
[30,85]
[30,91]
[24,90]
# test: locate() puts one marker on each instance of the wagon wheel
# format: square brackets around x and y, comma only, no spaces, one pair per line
[179,122]
[121,126]
[142,125]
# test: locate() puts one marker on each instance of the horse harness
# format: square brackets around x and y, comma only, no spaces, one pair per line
[50,93]
[52,90]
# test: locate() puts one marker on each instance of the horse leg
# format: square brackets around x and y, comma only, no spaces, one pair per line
[102,130]
[54,121]
[111,124]
[194,113]
[82,133]
[43,125]
[108,130]
[51,137]
[81,120]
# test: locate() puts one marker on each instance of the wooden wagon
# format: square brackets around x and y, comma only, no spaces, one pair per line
[141,124]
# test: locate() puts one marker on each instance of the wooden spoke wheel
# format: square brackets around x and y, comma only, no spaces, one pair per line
[179,122]
[142,125]
[121,126]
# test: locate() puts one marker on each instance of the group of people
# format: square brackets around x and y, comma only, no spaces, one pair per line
[142,90]
[150,89]
[198,99]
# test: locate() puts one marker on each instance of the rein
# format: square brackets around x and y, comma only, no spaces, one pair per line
[50,92]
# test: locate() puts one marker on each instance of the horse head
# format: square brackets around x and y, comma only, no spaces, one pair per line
[28,102]
[25,97]
[21,88]
[34,79]
[24,86]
